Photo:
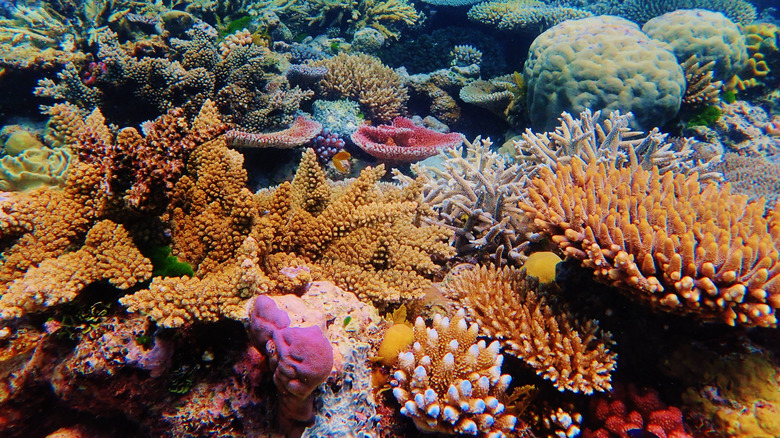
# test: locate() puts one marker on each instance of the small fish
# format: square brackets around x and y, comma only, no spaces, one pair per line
[340,159]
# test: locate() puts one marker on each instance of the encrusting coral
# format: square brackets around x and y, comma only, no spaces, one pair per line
[449,382]
[667,239]
[510,306]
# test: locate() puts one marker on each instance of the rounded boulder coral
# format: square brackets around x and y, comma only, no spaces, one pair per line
[601,63]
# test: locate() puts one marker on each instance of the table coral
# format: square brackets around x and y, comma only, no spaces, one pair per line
[519,15]
[665,239]
[509,306]
[449,382]
[34,168]
[108,254]
[403,141]
[300,132]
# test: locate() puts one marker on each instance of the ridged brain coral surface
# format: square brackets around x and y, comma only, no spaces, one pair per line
[710,36]
[601,63]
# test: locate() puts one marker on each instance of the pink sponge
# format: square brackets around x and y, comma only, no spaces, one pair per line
[300,358]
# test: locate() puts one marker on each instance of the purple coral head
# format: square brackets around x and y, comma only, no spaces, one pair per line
[305,360]
[265,319]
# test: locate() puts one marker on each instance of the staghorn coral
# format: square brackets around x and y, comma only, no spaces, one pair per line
[476,194]
[366,239]
[665,239]
[512,307]
[700,89]
[108,254]
[451,383]
[608,141]
[385,16]
[363,78]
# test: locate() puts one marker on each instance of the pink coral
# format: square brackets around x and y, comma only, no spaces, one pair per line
[403,141]
[301,358]
[626,412]
[301,131]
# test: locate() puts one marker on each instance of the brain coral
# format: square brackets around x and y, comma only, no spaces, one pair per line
[709,36]
[601,62]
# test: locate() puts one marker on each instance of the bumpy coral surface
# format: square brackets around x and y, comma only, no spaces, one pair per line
[709,36]
[403,141]
[666,239]
[509,306]
[601,63]
[451,383]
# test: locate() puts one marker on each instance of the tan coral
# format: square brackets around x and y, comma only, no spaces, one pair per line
[379,90]
[510,306]
[451,383]
[666,239]
[108,254]
[175,301]
[700,88]
[364,238]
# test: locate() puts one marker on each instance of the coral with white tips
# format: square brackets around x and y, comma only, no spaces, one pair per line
[451,383]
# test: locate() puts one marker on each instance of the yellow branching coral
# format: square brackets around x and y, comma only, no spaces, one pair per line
[379,90]
[669,241]
[108,254]
[451,383]
[174,301]
[45,223]
[508,305]
[386,15]
[366,239]
[211,210]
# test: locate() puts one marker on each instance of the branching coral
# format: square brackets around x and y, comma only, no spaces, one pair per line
[379,90]
[451,383]
[510,306]
[365,238]
[108,254]
[476,195]
[665,239]
[516,15]
[609,141]
[384,16]
[701,89]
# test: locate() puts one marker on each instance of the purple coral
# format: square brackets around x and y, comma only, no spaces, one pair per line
[300,358]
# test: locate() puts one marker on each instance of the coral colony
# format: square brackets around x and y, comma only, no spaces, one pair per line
[389,219]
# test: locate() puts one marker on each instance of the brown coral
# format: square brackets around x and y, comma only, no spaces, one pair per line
[363,237]
[379,90]
[108,254]
[664,238]
[508,305]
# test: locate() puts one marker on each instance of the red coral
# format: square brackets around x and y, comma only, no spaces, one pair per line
[630,413]
[300,132]
[403,141]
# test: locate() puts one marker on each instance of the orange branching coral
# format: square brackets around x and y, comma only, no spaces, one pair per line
[211,210]
[669,241]
[175,301]
[510,306]
[363,237]
[47,222]
[379,90]
[108,254]
[451,383]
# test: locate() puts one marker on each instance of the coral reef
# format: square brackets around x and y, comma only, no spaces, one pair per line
[363,78]
[300,132]
[403,141]
[512,307]
[571,67]
[628,411]
[640,11]
[517,15]
[666,239]
[300,358]
[707,35]
[451,383]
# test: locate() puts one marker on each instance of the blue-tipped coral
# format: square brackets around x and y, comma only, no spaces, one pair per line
[449,382]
